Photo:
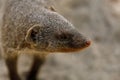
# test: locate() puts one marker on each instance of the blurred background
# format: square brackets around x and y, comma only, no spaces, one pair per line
[99,20]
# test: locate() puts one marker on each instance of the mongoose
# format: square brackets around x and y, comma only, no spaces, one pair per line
[33,27]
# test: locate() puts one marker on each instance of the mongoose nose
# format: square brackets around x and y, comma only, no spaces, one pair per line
[88,42]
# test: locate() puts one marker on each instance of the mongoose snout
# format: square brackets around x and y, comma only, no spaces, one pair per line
[80,42]
[72,41]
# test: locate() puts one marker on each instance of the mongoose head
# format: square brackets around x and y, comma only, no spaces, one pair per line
[54,33]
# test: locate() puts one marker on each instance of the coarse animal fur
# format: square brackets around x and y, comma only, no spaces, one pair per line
[34,27]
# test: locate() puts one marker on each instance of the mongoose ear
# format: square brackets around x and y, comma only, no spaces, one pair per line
[51,8]
[31,34]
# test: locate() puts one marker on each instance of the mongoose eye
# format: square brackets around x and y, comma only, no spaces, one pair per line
[63,36]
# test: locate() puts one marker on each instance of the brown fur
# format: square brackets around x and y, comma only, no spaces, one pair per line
[33,26]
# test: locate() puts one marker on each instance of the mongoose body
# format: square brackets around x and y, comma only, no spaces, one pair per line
[32,26]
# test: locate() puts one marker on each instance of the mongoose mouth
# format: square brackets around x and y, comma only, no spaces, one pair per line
[77,49]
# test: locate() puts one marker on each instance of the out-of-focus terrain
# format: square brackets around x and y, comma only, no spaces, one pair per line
[100,21]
